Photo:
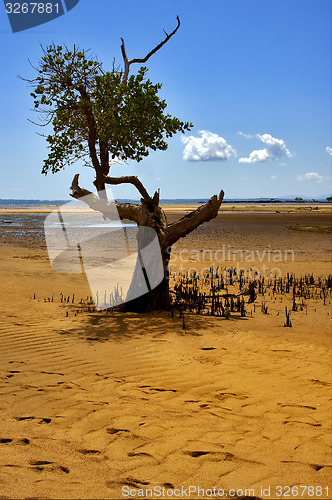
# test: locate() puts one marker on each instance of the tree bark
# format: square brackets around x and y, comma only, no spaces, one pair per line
[150,214]
[157,298]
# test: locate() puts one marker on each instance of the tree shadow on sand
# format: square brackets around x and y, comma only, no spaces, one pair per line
[117,326]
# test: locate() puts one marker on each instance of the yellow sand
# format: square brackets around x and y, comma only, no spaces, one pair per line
[94,405]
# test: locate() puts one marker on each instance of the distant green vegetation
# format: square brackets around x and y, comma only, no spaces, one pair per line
[312,229]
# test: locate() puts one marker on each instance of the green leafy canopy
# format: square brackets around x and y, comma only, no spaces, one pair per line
[96,115]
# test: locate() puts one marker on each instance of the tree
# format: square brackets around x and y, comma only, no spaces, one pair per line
[329,198]
[102,116]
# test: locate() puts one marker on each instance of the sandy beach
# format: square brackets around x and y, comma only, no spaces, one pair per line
[112,405]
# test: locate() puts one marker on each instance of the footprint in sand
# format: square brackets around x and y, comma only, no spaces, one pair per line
[297,406]
[41,462]
[114,430]
[42,420]
[316,467]
[41,465]
[120,432]
[319,382]
[156,389]
[225,395]
[24,441]
[10,440]
[89,451]
[136,483]
[140,454]
[196,454]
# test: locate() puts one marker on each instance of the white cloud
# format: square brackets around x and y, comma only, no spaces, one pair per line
[207,147]
[329,150]
[247,136]
[310,176]
[273,177]
[275,149]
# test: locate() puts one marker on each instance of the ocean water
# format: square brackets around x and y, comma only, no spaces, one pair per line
[22,223]
[53,204]
[31,204]
[33,222]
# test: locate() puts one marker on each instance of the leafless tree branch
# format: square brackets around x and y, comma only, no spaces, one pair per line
[129,179]
[128,211]
[127,62]
[194,219]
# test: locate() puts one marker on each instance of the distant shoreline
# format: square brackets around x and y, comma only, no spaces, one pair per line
[170,201]
[226,207]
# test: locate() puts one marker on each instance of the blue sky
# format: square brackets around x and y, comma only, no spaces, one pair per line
[254,77]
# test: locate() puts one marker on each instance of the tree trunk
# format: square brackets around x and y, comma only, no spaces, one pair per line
[100,186]
[150,214]
[158,298]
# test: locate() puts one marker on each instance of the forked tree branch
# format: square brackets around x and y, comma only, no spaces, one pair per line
[129,179]
[127,62]
[128,211]
[169,233]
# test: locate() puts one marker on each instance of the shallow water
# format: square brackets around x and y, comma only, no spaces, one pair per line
[33,222]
